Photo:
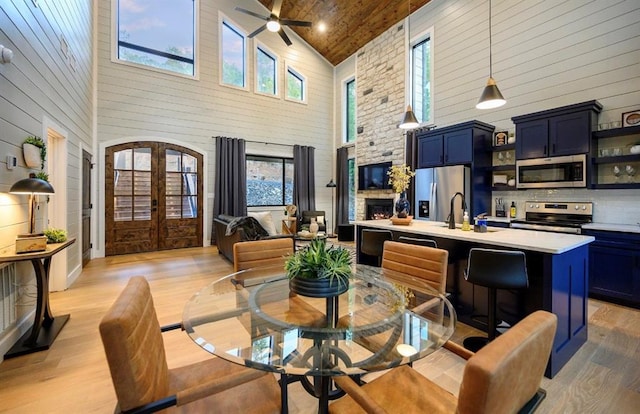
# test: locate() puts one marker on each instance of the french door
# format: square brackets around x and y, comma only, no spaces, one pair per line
[153,197]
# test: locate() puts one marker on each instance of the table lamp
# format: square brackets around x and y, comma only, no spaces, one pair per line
[32,186]
[332,186]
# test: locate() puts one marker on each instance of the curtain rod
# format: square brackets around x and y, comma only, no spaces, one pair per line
[268,143]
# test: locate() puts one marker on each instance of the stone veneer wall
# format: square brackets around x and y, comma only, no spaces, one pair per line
[380,91]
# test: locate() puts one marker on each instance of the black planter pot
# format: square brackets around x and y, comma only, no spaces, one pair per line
[317,288]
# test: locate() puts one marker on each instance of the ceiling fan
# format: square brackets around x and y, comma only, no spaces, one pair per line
[273,22]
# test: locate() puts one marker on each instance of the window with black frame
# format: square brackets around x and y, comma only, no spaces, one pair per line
[159,34]
[269,181]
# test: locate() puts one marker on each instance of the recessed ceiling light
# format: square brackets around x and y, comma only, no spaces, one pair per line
[322,27]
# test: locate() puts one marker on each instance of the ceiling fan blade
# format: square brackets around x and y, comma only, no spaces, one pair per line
[287,22]
[284,37]
[258,30]
[277,5]
[249,12]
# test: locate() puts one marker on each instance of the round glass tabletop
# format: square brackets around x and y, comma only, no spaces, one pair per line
[383,320]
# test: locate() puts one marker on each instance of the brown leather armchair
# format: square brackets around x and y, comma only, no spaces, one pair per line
[426,263]
[133,343]
[261,253]
[502,378]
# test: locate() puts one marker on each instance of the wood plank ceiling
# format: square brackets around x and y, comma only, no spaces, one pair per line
[350,24]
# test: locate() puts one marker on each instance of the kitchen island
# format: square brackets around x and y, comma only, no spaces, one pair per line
[557,267]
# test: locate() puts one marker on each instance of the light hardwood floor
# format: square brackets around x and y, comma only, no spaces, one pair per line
[73,377]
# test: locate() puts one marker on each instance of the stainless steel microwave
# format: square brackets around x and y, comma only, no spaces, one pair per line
[553,172]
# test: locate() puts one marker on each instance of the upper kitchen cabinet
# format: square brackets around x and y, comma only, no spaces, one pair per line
[452,145]
[561,131]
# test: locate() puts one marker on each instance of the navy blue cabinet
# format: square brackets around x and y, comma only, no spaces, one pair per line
[556,132]
[614,267]
[452,145]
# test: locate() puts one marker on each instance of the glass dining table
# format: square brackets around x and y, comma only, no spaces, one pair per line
[383,320]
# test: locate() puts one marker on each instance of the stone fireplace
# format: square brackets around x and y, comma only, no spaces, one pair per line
[378,208]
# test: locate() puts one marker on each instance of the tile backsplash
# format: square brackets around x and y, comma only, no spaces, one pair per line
[609,206]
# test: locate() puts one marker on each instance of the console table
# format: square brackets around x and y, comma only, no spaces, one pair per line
[45,327]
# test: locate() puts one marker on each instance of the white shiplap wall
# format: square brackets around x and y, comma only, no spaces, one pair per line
[139,102]
[43,86]
[546,54]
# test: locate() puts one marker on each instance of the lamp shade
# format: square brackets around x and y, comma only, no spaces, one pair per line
[491,96]
[31,186]
[331,184]
[409,121]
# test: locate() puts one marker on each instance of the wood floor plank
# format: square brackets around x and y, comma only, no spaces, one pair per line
[73,376]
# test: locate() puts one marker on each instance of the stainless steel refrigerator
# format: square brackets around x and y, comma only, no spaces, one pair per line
[434,189]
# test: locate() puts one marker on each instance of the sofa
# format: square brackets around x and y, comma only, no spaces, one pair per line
[241,229]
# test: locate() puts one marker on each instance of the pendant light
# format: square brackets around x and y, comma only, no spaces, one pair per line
[409,121]
[491,96]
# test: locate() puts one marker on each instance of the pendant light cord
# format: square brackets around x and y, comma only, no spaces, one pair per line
[490,52]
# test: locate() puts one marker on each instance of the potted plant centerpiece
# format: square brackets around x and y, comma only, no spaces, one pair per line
[399,178]
[318,271]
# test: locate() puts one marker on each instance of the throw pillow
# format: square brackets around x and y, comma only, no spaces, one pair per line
[320,219]
[265,220]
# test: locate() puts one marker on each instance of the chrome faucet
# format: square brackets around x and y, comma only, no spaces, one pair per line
[452,217]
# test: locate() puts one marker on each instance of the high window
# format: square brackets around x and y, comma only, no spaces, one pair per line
[269,181]
[296,85]
[421,64]
[266,70]
[233,46]
[158,34]
[350,110]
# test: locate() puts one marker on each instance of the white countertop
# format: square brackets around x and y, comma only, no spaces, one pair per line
[538,241]
[625,228]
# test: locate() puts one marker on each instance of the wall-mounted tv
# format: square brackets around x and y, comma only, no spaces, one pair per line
[374,176]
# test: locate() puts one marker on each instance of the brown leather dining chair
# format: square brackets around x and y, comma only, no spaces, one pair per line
[427,263]
[502,378]
[261,253]
[132,340]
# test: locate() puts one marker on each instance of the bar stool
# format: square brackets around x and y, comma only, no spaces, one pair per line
[494,269]
[420,242]
[372,242]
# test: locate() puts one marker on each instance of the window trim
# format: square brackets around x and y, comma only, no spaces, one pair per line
[284,160]
[345,109]
[223,19]
[297,74]
[259,46]
[115,4]
[411,43]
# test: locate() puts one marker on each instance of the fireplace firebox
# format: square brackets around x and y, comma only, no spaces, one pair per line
[378,208]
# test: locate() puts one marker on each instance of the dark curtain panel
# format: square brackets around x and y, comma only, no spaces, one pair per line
[342,187]
[304,182]
[411,159]
[230,188]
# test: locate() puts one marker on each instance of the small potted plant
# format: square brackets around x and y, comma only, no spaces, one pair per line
[318,271]
[35,152]
[55,235]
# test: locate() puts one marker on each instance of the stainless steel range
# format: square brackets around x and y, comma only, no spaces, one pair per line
[562,217]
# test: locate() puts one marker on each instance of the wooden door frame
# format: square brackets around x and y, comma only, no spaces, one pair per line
[207,196]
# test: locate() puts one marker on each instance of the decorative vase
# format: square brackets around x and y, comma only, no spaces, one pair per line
[31,155]
[317,288]
[403,206]
[313,226]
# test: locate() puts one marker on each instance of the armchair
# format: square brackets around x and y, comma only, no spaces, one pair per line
[319,215]
[133,344]
[503,377]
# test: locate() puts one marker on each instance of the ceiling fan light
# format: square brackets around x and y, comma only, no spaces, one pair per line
[491,96]
[409,121]
[273,26]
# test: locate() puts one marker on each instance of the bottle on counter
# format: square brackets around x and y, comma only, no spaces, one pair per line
[512,210]
[465,222]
